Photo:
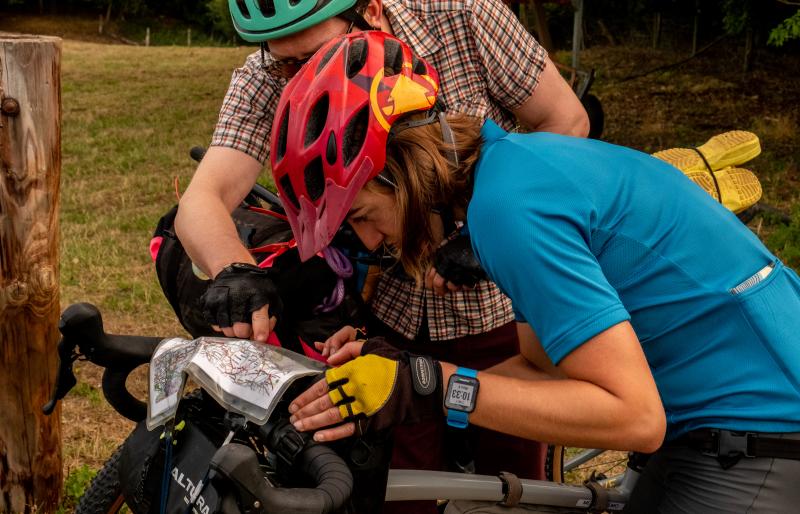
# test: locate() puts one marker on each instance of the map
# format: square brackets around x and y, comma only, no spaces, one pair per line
[244,376]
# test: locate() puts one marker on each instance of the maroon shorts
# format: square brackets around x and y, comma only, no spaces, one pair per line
[422,446]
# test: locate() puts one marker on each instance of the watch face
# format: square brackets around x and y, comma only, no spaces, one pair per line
[461,393]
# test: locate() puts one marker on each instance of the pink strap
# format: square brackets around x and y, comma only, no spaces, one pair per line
[312,353]
[267,212]
[155,245]
[273,340]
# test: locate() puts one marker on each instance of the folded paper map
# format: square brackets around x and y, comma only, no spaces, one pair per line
[245,377]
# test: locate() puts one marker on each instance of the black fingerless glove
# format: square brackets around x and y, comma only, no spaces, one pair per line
[456,262]
[236,292]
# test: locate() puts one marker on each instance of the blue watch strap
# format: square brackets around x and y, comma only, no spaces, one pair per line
[467,372]
[458,418]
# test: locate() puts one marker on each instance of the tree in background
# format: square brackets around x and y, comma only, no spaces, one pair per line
[788,29]
[220,18]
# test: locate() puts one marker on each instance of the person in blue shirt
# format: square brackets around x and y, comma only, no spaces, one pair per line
[650,319]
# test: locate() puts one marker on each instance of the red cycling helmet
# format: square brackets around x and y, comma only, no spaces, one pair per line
[332,123]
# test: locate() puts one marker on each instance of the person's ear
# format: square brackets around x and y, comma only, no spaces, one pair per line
[373,13]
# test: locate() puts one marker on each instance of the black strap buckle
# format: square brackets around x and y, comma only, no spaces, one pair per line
[291,444]
[730,444]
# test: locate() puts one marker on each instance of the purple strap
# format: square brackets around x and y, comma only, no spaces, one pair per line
[340,265]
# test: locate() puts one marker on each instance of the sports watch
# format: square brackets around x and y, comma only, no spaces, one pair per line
[462,391]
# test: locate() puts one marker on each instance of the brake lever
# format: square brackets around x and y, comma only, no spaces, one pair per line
[65,378]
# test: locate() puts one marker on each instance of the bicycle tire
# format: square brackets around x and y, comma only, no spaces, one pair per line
[554,463]
[104,494]
[568,465]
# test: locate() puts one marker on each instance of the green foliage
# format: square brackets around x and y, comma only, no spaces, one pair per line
[785,240]
[737,15]
[75,485]
[788,29]
[220,18]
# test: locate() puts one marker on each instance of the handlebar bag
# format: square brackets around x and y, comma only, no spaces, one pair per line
[141,468]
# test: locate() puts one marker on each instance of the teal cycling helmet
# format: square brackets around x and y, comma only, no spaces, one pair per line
[261,20]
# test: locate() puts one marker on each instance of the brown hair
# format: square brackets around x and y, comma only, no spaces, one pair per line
[419,163]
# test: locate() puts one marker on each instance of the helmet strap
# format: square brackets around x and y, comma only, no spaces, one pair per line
[436,114]
[449,138]
[356,18]
[385,178]
[264,50]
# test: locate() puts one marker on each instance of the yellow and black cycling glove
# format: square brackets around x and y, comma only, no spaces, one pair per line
[387,386]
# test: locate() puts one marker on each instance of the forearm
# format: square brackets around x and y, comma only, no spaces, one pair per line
[204,224]
[520,367]
[207,232]
[564,411]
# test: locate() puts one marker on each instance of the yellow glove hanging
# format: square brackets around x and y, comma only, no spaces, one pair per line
[387,386]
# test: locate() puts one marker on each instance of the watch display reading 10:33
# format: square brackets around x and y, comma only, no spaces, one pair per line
[462,392]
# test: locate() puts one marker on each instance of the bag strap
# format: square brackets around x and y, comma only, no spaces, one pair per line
[512,489]
[599,495]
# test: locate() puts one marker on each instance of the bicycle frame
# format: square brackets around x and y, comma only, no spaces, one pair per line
[431,485]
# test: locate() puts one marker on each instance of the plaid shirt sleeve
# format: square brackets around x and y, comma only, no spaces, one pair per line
[245,119]
[508,53]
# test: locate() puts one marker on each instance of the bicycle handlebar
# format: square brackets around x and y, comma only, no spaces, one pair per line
[81,326]
[82,332]
[238,465]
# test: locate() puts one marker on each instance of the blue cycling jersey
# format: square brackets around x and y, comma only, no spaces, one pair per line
[582,235]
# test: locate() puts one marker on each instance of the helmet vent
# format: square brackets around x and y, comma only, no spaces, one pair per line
[419,67]
[315,179]
[282,134]
[267,8]
[316,122]
[288,191]
[392,57]
[328,55]
[354,135]
[242,5]
[356,57]
[331,151]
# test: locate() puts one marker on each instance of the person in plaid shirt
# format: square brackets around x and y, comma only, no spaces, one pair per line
[490,67]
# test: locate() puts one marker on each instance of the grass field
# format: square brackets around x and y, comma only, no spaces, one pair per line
[130,114]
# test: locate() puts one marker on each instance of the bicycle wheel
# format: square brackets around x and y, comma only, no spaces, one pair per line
[104,494]
[574,465]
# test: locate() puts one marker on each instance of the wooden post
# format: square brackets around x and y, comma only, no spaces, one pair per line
[147,37]
[188,37]
[30,169]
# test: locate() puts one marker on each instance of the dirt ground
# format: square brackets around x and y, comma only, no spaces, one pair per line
[685,105]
